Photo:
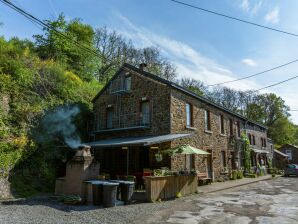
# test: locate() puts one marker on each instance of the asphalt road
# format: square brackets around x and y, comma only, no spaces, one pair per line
[272,201]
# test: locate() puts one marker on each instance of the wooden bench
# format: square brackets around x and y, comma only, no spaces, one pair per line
[204,179]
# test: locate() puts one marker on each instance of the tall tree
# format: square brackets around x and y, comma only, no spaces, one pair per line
[64,50]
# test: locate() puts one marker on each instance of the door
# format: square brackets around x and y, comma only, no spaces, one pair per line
[209,165]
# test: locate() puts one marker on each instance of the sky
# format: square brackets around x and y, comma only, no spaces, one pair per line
[203,46]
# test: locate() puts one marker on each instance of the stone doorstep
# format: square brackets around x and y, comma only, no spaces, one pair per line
[214,187]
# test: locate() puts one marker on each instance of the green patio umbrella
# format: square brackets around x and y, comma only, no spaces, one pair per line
[187,150]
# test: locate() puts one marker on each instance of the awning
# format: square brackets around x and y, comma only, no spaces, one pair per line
[259,150]
[136,141]
[280,153]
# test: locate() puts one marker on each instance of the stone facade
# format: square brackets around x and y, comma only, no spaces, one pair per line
[213,141]
[291,151]
[168,116]
[127,106]
[5,189]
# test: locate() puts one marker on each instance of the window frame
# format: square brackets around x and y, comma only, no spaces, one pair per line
[207,120]
[231,127]
[222,124]
[127,77]
[108,111]
[189,114]
[142,121]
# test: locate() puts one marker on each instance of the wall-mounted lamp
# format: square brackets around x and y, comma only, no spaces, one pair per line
[124,147]
[154,147]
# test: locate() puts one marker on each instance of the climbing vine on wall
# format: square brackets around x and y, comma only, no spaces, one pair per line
[247,151]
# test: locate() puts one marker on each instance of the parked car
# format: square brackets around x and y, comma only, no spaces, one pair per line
[291,169]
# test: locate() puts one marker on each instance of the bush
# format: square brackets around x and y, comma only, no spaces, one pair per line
[239,174]
[234,175]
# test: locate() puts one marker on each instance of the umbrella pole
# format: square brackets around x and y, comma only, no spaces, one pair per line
[127,161]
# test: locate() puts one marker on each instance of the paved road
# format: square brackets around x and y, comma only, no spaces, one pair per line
[272,201]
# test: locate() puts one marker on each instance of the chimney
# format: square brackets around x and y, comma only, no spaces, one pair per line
[142,66]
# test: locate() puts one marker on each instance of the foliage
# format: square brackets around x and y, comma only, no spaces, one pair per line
[247,151]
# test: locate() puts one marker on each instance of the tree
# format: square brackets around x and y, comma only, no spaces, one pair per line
[116,50]
[63,49]
[193,85]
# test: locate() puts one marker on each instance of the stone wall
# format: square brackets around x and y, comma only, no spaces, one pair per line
[213,141]
[142,88]
[5,191]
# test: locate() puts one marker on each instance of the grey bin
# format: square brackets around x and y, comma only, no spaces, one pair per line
[97,192]
[125,189]
[109,194]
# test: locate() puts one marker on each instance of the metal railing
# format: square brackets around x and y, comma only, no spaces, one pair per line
[124,121]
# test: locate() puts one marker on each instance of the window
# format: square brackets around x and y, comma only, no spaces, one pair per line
[207,120]
[231,127]
[249,138]
[110,115]
[223,159]
[188,108]
[238,129]
[265,142]
[145,113]
[222,124]
[253,140]
[127,83]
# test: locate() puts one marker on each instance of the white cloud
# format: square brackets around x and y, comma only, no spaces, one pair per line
[249,62]
[245,5]
[251,7]
[189,62]
[272,16]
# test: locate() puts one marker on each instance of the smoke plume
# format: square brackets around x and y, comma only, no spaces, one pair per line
[60,123]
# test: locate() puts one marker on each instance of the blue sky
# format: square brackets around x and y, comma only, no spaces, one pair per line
[203,46]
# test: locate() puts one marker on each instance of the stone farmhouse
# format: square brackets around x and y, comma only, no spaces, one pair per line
[138,115]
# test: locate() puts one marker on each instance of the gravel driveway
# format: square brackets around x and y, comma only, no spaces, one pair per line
[273,201]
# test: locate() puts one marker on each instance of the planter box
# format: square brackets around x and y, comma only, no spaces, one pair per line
[167,187]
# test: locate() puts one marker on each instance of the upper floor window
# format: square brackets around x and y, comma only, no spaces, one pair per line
[207,120]
[249,138]
[231,127]
[253,140]
[263,142]
[238,129]
[110,116]
[222,124]
[189,120]
[145,113]
[127,83]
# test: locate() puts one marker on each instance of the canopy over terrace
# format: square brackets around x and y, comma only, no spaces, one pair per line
[136,149]
[136,141]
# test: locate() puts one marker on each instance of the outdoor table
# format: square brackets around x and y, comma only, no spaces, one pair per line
[126,190]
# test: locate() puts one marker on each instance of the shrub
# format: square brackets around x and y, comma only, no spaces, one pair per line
[239,174]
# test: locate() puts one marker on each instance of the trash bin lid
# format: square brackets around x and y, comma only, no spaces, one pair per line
[110,184]
[123,181]
[96,182]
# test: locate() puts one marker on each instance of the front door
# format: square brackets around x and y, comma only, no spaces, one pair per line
[209,165]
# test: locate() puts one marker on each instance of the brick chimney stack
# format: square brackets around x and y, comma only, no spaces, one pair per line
[142,66]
